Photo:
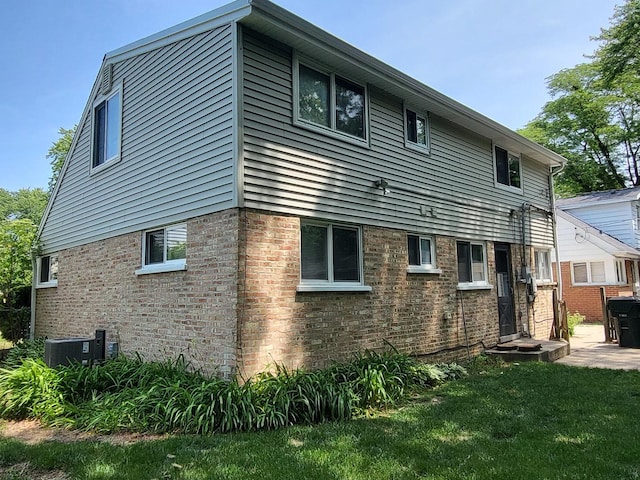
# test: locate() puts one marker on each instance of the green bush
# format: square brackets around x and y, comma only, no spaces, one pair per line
[574,319]
[24,349]
[131,394]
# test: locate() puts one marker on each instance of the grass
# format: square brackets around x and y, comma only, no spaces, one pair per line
[528,421]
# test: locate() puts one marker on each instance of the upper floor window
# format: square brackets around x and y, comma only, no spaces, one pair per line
[330,257]
[47,270]
[508,169]
[543,265]
[330,102]
[472,263]
[416,129]
[164,249]
[107,127]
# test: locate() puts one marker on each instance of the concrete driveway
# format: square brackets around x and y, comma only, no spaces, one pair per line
[588,349]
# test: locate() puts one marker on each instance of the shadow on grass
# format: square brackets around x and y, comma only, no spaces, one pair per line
[528,421]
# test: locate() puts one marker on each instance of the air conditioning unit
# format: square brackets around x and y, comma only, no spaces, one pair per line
[65,351]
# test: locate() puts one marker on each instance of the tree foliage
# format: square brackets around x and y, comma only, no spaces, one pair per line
[26,203]
[593,118]
[58,152]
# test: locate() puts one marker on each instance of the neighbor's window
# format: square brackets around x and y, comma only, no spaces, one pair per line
[330,254]
[107,126]
[48,271]
[543,265]
[417,129]
[472,265]
[421,253]
[329,101]
[507,168]
[588,272]
[621,272]
[164,249]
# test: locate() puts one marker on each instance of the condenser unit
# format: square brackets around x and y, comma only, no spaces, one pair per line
[65,351]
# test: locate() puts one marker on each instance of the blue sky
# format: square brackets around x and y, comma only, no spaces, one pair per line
[492,55]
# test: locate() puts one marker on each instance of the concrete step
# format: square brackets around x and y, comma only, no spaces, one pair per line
[527,349]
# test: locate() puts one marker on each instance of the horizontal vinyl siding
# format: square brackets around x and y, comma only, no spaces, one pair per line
[177,147]
[293,170]
[614,219]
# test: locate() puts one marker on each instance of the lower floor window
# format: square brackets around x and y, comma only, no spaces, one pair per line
[330,253]
[421,251]
[543,265]
[472,265]
[165,245]
[588,272]
[621,272]
[48,270]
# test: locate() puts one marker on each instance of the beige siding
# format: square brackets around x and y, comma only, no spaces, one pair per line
[293,170]
[177,147]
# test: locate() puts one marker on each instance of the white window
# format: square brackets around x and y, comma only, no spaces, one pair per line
[472,263]
[416,129]
[621,272]
[164,249]
[588,272]
[508,169]
[330,257]
[422,254]
[327,101]
[47,270]
[106,128]
[543,265]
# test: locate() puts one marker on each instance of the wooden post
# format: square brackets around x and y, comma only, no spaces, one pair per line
[605,316]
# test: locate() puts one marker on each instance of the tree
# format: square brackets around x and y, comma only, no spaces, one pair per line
[620,49]
[58,152]
[593,118]
[28,203]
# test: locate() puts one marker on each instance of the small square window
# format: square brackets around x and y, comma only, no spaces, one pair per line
[47,271]
[164,249]
[417,130]
[107,127]
[421,253]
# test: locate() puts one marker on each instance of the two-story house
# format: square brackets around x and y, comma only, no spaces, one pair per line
[246,188]
[598,246]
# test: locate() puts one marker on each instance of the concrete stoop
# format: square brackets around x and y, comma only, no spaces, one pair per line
[528,349]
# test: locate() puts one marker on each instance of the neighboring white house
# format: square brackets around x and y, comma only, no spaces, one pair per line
[598,239]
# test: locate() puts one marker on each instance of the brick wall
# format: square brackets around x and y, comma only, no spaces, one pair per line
[421,314]
[159,315]
[586,299]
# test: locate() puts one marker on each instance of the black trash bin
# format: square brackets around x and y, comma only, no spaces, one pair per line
[626,311]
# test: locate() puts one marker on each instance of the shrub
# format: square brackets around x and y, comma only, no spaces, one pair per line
[130,394]
[574,319]
[23,350]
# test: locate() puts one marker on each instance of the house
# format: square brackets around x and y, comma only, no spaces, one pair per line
[245,188]
[598,246]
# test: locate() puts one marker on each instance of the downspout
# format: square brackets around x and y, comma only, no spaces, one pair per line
[552,204]
[34,279]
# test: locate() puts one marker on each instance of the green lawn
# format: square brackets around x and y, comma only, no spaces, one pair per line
[527,421]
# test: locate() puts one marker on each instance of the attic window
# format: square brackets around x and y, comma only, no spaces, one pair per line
[107,126]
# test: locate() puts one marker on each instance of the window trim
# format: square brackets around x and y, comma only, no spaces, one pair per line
[509,188]
[478,284]
[108,162]
[179,264]
[426,148]
[423,267]
[330,285]
[331,130]
[50,282]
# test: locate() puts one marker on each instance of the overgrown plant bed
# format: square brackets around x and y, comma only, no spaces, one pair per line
[129,394]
